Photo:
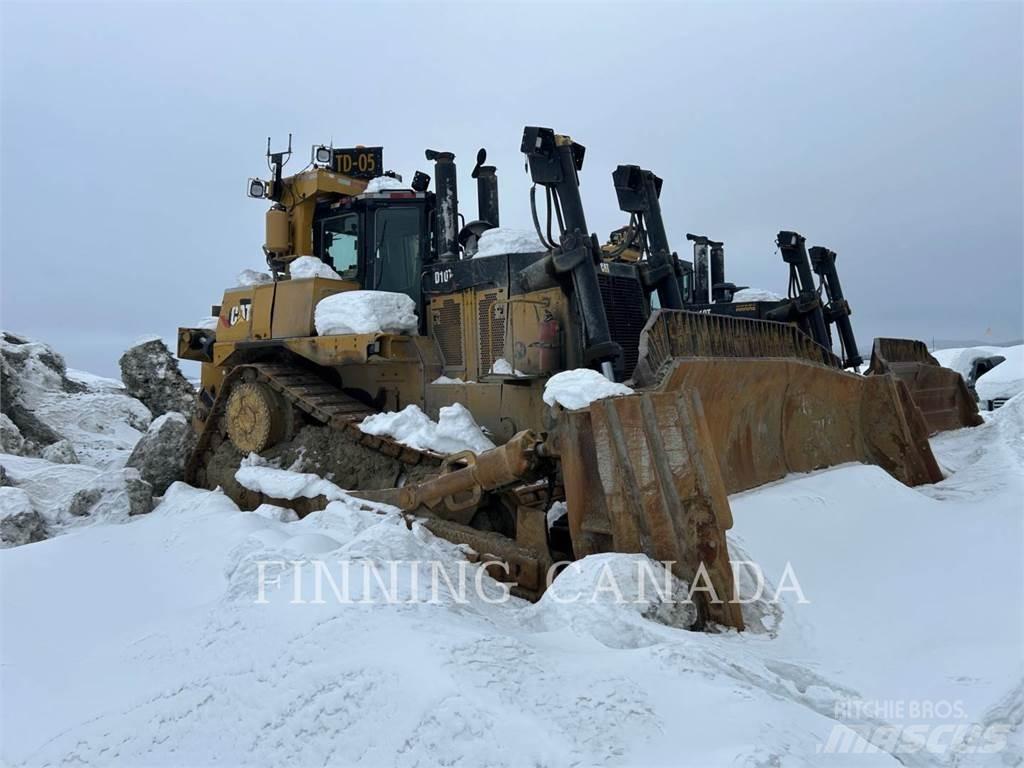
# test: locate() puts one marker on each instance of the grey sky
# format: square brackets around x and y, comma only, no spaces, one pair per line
[891,133]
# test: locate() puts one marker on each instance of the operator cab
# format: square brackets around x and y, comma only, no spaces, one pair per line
[379,240]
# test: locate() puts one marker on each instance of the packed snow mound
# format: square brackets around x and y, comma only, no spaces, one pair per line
[1006,380]
[580,387]
[384,183]
[366,312]
[455,429]
[502,240]
[755,294]
[960,359]
[609,597]
[285,484]
[311,266]
[250,277]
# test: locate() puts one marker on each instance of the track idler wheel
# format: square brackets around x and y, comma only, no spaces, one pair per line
[256,417]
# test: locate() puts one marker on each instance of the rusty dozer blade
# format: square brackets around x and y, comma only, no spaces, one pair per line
[941,393]
[640,476]
[775,402]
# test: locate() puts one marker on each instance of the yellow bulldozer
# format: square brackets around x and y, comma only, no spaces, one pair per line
[720,403]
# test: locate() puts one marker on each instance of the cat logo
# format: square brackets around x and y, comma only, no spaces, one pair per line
[240,312]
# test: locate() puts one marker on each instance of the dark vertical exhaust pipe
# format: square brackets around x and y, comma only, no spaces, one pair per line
[717,270]
[808,305]
[639,192]
[838,311]
[486,189]
[446,212]
[701,276]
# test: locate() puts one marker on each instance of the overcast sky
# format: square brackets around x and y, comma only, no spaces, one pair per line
[891,133]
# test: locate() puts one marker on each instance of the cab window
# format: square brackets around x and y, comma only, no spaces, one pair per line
[341,244]
[397,243]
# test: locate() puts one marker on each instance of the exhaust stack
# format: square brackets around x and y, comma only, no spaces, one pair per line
[486,189]
[701,278]
[446,213]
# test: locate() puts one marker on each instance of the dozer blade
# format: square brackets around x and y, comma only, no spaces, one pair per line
[775,404]
[941,393]
[640,476]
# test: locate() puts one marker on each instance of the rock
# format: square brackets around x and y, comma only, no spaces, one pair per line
[61,452]
[5,481]
[83,501]
[113,495]
[19,522]
[11,440]
[27,369]
[161,453]
[151,374]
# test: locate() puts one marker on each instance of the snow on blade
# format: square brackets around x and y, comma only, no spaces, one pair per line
[755,294]
[580,387]
[455,430]
[384,183]
[366,312]
[311,266]
[502,240]
[1006,380]
[207,323]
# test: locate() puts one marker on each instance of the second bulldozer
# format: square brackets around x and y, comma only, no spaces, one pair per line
[720,404]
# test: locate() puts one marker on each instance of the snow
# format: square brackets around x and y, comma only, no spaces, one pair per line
[95,383]
[249,277]
[455,429]
[311,266]
[580,387]
[207,323]
[502,240]
[366,312]
[157,642]
[502,367]
[1006,379]
[14,501]
[960,359]
[755,294]
[384,183]
[447,380]
[284,484]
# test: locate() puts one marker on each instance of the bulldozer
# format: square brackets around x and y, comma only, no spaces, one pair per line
[719,404]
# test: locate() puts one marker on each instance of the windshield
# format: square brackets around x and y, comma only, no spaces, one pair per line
[398,240]
[341,244]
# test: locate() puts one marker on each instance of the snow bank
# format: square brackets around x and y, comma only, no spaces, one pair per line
[1005,380]
[756,294]
[455,430]
[580,387]
[311,266]
[384,183]
[501,240]
[960,359]
[366,312]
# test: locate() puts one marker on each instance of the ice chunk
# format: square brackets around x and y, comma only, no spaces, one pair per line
[384,183]
[506,240]
[755,294]
[580,387]
[366,312]
[455,430]
[311,266]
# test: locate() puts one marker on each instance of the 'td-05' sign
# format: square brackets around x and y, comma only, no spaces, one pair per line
[359,162]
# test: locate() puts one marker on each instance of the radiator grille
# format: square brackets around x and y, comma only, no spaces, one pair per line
[624,304]
[448,332]
[491,316]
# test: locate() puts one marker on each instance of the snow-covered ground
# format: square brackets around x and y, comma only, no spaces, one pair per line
[150,642]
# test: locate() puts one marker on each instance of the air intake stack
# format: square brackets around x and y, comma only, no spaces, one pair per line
[486,189]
